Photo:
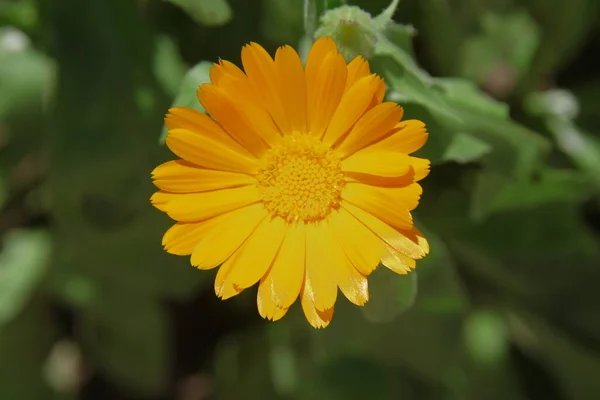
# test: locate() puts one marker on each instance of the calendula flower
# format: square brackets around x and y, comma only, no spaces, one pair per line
[300,180]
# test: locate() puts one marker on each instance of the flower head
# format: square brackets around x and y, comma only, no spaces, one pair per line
[300,180]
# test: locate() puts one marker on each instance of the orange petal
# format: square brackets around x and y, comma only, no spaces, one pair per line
[357,68]
[180,176]
[254,257]
[386,164]
[293,87]
[362,247]
[237,119]
[224,234]
[321,48]
[286,276]
[372,126]
[324,92]
[391,205]
[320,281]
[411,242]
[243,97]
[407,137]
[262,73]
[352,106]
[210,151]
[189,207]
[318,319]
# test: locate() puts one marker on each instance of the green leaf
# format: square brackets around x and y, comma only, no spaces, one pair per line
[206,12]
[465,148]
[390,295]
[581,147]
[168,65]
[196,76]
[127,338]
[507,41]
[466,94]
[23,262]
[282,21]
[552,186]
[26,75]
[486,337]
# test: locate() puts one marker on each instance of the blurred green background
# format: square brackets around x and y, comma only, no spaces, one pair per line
[507,305]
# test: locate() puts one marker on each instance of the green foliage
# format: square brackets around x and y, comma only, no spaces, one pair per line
[504,307]
[206,12]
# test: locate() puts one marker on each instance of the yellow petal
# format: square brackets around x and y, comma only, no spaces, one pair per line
[391,205]
[229,112]
[183,177]
[224,234]
[397,262]
[362,247]
[357,68]
[209,151]
[254,257]
[267,307]
[318,319]
[372,126]
[352,283]
[324,92]
[407,137]
[222,291]
[261,71]
[320,280]
[293,87]
[385,163]
[189,207]
[420,167]
[286,276]
[181,238]
[352,106]
[411,242]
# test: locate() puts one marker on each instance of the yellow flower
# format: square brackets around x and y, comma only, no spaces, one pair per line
[300,180]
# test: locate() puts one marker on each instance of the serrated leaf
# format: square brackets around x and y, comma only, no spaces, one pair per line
[23,262]
[206,12]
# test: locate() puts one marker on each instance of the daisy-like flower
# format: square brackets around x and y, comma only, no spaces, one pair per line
[300,180]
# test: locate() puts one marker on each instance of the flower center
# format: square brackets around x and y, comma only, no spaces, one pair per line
[301,179]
